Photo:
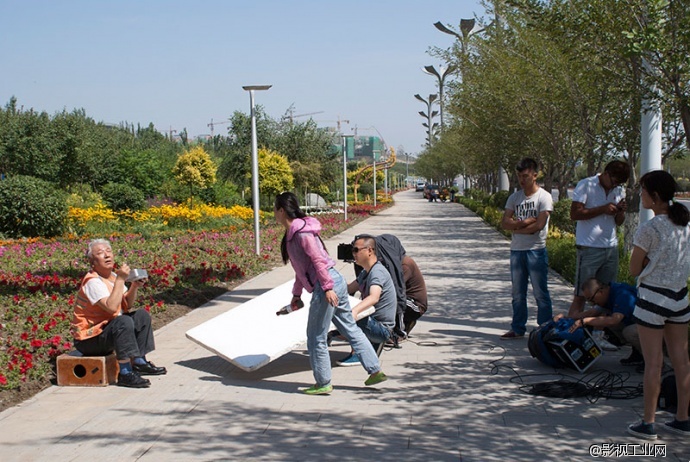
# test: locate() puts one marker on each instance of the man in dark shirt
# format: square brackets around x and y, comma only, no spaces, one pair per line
[415,292]
[614,304]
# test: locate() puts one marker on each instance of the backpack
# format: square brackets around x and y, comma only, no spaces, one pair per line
[553,344]
[390,252]
[538,348]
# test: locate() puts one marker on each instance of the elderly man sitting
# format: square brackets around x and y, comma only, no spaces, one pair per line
[104,321]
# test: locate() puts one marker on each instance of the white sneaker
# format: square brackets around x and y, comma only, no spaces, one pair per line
[604,344]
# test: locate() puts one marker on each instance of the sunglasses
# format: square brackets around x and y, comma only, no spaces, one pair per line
[357,249]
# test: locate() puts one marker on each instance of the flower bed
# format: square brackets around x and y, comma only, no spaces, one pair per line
[39,280]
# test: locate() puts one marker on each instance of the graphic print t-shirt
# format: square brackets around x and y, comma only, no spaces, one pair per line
[525,207]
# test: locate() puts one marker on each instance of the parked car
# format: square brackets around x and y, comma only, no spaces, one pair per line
[420,186]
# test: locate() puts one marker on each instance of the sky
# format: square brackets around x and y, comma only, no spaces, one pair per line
[180,64]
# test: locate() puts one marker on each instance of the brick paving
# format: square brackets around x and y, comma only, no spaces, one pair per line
[450,395]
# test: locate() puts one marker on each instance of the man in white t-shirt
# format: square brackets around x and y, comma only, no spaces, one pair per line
[598,207]
[527,216]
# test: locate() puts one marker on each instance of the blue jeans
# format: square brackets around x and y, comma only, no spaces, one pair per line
[320,316]
[532,264]
[374,330]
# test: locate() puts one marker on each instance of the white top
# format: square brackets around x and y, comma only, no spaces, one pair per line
[668,249]
[525,207]
[599,231]
[96,289]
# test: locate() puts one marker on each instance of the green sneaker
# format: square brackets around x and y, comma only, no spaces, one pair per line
[376,378]
[316,390]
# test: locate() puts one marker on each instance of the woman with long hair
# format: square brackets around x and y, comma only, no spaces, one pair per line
[661,261]
[315,273]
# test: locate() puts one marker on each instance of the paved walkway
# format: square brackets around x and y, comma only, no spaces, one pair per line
[444,399]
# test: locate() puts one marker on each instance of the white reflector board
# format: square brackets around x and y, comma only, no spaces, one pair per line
[251,335]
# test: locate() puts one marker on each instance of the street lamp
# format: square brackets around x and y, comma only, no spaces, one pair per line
[429,116]
[467,27]
[431,70]
[345,137]
[255,163]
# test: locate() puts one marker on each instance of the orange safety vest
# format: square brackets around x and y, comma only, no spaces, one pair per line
[89,320]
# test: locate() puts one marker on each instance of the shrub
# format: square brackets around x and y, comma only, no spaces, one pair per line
[476,194]
[223,193]
[562,256]
[499,199]
[30,207]
[82,195]
[683,184]
[121,197]
[560,217]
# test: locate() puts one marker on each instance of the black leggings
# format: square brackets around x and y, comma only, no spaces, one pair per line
[130,335]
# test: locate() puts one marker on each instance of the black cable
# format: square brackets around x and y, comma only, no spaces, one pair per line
[593,386]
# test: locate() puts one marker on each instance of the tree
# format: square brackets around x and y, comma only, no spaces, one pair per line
[195,169]
[235,152]
[25,145]
[275,174]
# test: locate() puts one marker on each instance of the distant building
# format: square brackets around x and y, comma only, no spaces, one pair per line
[364,148]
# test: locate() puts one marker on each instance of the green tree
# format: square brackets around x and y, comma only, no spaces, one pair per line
[25,144]
[235,151]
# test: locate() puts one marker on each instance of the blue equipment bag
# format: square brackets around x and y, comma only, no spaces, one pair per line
[553,344]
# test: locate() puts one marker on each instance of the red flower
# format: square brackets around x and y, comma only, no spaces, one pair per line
[3,380]
[24,336]
[37,343]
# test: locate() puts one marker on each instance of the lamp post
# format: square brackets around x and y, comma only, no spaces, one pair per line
[345,137]
[468,27]
[441,76]
[429,116]
[255,163]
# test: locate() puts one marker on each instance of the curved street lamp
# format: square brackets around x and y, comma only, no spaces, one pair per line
[468,27]
[429,116]
[431,70]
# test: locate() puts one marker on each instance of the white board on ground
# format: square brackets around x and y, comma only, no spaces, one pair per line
[251,335]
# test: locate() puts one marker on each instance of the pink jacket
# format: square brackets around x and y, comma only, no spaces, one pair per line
[308,256]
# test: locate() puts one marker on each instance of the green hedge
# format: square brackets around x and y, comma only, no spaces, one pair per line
[561,242]
[120,197]
[31,207]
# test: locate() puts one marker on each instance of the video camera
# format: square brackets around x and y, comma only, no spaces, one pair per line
[345,253]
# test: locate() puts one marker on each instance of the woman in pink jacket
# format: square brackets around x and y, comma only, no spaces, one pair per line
[315,273]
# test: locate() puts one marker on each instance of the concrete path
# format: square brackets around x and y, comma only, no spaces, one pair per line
[453,392]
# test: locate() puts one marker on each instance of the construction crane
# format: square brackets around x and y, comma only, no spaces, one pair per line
[291,116]
[212,124]
[339,121]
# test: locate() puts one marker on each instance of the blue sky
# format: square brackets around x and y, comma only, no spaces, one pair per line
[180,64]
